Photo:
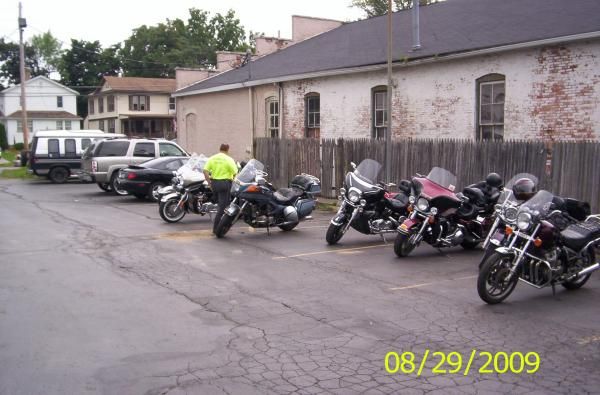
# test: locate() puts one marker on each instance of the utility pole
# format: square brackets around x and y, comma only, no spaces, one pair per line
[23,25]
[388,130]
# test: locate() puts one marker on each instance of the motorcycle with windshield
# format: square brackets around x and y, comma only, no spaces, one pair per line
[443,218]
[260,205]
[554,243]
[367,205]
[188,193]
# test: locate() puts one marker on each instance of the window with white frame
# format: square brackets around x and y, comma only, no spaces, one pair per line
[171,103]
[139,103]
[110,103]
[379,112]
[491,95]
[101,125]
[111,126]
[100,104]
[272,118]
[59,125]
[29,126]
[313,115]
[68,125]
[59,101]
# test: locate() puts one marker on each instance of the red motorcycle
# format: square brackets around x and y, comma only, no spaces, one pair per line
[443,218]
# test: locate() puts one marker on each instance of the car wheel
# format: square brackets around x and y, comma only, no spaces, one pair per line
[153,191]
[104,186]
[58,175]
[114,183]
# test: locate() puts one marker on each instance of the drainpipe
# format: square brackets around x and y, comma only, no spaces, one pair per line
[280,85]
[251,107]
[415,19]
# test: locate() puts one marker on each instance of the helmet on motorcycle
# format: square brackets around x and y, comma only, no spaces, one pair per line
[524,189]
[494,180]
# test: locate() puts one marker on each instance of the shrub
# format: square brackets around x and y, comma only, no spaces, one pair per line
[3,137]
[19,146]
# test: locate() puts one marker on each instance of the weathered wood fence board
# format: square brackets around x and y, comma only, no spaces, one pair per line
[575,171]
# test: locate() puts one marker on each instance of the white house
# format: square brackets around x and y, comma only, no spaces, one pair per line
[50,106]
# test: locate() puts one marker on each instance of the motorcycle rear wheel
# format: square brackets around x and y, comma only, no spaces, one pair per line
[580,281]
[403,246]
[224,226]
[334,233]
[170,211]
[491,284]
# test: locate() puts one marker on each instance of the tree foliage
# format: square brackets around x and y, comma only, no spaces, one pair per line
[10,62]
[47,50]
[380,7]
[155,51]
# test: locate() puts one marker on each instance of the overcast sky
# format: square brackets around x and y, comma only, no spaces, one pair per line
[111,21]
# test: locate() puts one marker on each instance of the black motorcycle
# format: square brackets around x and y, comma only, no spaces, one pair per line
[260,205]
[188,193]
[552,243]
[367,205]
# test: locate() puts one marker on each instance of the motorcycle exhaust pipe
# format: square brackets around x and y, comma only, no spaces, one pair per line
[585,271]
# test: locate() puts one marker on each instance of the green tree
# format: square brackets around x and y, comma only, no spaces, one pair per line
[47,50]
[380,7]
[10,62]
[82,67]
[155,51]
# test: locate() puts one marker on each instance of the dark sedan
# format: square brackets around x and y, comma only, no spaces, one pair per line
[144,180]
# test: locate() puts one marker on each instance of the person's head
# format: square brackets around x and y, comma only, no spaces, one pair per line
[224,148]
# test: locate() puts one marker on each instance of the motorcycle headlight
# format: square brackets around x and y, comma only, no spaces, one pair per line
[524,221]
[354,196]
[422,204]
[411,199]
[510,214]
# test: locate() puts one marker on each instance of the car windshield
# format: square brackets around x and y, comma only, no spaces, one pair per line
[443,178]
[368,169]
[249,172]
[539,204]
[507,194]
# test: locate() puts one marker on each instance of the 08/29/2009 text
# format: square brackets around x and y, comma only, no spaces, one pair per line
[453,362]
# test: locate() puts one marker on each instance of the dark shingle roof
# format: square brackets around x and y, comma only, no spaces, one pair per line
[139,84]
[43,115]
[453,26]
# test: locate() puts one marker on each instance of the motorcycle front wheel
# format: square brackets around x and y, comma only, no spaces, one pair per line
[170,211]
[492,285]
[224,226]
[403,246]
[334,233]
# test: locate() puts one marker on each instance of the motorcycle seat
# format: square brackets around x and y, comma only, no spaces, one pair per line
[576,236]
[284,195]
[398,202]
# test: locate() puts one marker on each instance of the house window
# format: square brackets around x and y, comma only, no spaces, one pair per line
[100,104]
[272,118]
[139,103]
[101,125]
[59,101]
[29,126]
[490,92]
[70,148]
[53,149]
[91,105]
[171,103]
[313,115]
[379,112]
[59,125]
[110,103]
[111,126]
[68,125]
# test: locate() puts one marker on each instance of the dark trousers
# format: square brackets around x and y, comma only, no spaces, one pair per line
[222,190]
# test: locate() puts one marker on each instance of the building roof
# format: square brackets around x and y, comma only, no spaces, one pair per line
[39,77]
[43,115]
[448,28]
[138,84]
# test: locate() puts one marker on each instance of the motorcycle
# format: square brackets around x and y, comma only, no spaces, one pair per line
[553,243]
[188,193]
[505,213]
[366,205]
[260,205]
[443,218]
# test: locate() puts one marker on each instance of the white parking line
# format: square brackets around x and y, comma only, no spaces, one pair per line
[435,282]
[337,250]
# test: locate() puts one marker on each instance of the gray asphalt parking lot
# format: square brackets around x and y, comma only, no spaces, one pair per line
[99,295]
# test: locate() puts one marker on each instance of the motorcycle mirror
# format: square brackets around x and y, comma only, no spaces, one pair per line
[353,165]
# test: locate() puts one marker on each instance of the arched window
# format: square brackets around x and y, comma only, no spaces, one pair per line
[272,117]
[312,105]
[379,112]
[490,107]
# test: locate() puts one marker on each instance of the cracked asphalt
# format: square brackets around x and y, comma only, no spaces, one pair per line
[99,295]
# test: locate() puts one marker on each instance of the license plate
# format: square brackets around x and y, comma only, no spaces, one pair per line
[230,210]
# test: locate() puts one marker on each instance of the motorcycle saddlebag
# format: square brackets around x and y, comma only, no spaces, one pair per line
[578,235]
[305,207]
[307,183]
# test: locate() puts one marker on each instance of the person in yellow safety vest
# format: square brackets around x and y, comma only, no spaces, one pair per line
[219,171]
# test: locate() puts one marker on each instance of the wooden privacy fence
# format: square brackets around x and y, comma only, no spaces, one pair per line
[569,169]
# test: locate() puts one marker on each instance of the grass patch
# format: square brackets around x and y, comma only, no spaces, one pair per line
[327,206]
[10,156]
[21,173]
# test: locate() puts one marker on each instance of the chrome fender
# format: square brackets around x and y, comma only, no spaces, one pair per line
[173,195]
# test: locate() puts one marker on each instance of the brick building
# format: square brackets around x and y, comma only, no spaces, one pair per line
[486,69]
